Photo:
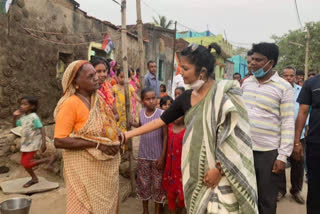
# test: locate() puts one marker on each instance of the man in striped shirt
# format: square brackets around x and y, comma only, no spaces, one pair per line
[269,101]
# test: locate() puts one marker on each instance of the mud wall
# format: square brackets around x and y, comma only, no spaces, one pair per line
[160,47]
[34,35]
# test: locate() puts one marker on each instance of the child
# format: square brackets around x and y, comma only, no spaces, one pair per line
[152,152]
[178,91]
[163,90]
[165,102]
[33,136]
[118,92]
[172,179]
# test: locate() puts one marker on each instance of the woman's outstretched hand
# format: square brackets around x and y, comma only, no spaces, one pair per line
[212,178]
[122,138]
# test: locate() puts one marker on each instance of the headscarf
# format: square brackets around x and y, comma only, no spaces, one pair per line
[67,80]
[112,64]
[101,126]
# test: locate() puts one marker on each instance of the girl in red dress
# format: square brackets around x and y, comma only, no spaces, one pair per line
[172,180]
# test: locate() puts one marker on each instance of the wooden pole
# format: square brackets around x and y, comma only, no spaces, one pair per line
[174,53]
[126,86]
[140,41]
[306,64]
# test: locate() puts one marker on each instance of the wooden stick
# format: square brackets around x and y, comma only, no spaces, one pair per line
[126,87]
[140,41]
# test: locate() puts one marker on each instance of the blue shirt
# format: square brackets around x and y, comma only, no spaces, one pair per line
[151,81]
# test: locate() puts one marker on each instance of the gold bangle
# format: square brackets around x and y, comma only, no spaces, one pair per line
[98,144]
[297,144]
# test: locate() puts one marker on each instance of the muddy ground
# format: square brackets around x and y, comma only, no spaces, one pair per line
[54,202]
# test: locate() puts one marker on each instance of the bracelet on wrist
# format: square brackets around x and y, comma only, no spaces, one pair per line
[218,166]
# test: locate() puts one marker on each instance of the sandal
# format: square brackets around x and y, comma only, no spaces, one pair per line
[30,183]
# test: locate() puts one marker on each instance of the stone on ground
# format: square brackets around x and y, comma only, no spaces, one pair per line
[16,186]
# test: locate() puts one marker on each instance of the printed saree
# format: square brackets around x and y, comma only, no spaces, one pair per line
[92,177]
[217,129]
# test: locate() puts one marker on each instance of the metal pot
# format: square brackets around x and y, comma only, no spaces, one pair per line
[15,206]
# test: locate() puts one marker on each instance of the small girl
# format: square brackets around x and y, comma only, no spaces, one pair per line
[152,152]
[172,179]
[33,136]
[165,102]
[163,90]
[118,92]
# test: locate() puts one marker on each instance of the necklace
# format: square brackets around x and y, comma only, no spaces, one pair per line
[84,99]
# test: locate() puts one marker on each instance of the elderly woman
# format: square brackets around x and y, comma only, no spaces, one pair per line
[217,160]
[86,129]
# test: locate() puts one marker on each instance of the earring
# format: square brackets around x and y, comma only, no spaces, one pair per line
[77,87]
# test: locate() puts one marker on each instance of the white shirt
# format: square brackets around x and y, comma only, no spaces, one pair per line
[177,82]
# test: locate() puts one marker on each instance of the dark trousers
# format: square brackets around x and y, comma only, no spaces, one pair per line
[296,176]
[267,181]
[313,165]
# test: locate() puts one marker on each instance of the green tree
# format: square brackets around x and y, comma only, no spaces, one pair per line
[241,51]
[292,48]
[162,22]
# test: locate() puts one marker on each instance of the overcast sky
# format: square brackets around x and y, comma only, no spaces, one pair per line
[244,21]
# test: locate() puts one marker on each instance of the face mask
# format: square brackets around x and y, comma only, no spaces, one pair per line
[260,72]
[197,85]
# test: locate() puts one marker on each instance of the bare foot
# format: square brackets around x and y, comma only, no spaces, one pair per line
[30,183]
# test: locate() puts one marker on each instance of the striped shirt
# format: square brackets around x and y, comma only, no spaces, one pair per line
[270,107]
[150,147]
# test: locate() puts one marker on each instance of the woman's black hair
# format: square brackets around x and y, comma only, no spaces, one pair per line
[130,71]
[164,100]
[180,88]
[216,47]
[118,72]
[96,60]
[32,101]
[146,90]
[269,50]
[164,86]
[201,57]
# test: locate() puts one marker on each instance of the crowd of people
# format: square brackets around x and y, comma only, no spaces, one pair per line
[218,147]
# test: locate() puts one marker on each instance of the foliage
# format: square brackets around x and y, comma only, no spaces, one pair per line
[241,51]
[294,54]
[162,22]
